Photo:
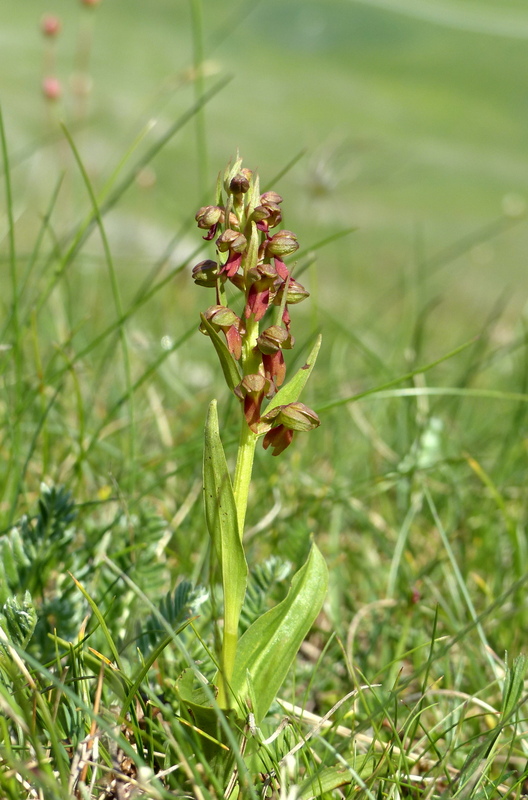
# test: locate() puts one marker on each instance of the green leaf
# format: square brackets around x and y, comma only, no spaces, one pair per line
[196,707]
[292,390]
[330,778]
[227,361]
[222,523]
[19,619]
[513,686]
[268,648]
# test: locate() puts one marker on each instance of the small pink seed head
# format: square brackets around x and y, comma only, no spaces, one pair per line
[51,88]
[50,25]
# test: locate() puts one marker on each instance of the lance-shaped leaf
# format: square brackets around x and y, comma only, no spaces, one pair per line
[292,390]
[227,362]
[330,778]
[222,523]
[268,648]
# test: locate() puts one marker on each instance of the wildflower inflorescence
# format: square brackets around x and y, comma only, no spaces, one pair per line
[250,256]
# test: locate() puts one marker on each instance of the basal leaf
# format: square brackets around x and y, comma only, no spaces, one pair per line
[290,393]
[268,648]
[227,361]
[222,523]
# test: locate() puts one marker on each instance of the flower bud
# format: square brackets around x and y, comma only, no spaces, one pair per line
[221,317]
[298,417]
[296,293]
[208,216]
[50,25]
[278,439]
[274,338]
[267,216]
[270,197]
[252,384]
[231,240]
[240,183]
[90,2]
[260,213]
[252,391]
[282,243]
[265,271]
[51,88]
[205,273]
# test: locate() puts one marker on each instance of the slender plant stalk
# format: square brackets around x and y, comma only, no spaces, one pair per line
[16,338]
[199,87]
[251,258]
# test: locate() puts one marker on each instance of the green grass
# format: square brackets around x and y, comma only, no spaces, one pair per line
[415,493]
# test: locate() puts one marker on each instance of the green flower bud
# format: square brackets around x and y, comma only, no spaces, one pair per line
[296,293]
[260,213]
[298,417]
[282,243]
[269,213]
[208,216]
[294,416]
[273,339]
[231,240]
[222,317]
[205,273]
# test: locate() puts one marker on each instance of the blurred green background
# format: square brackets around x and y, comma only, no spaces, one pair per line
[411,117]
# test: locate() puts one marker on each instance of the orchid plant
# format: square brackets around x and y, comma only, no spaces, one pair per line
[250,257]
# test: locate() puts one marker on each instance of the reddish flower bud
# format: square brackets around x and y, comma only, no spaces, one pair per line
[258,299]
[234,341]
[278,439]
[282,243]
[252,391]
[274,368]
[270,197]
[50,25]
[51,88]
[90,2]
[240,183]
[205,273]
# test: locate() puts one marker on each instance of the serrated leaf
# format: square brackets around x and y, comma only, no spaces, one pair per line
[290,393]
[222,523]
[227,360]
[268,648]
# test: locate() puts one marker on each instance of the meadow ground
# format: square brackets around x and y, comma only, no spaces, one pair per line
[396,134]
